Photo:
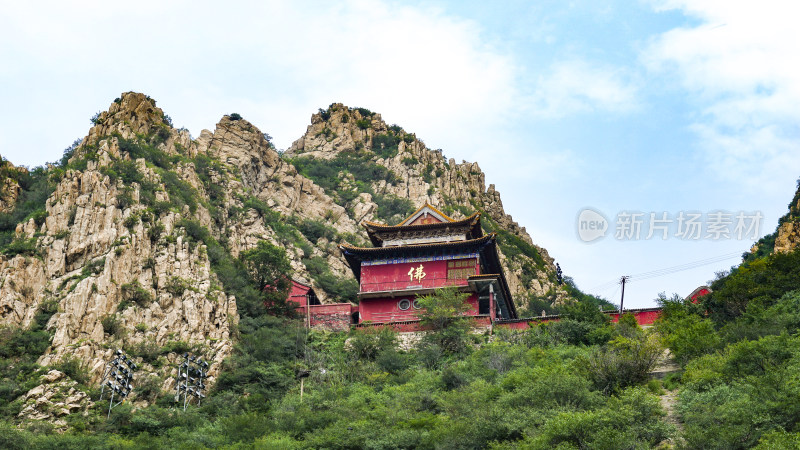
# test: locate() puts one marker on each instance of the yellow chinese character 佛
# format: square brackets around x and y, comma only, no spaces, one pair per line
[419,273]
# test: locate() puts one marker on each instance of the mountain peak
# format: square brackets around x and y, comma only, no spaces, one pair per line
[130,114]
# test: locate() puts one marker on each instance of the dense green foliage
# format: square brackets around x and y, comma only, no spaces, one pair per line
[518,390]
[364,172]
[741,352]
[753,286]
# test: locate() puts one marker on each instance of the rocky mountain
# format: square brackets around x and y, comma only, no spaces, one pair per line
[356,141]
[126,241]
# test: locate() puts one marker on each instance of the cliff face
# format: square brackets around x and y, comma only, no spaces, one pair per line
[120,245]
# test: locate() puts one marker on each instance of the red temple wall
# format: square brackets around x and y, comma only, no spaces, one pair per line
[643,317]
[334,317]
[298,293]
[388,309]
[395,277]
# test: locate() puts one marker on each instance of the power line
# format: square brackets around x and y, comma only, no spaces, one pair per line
[667,271]
[683,267]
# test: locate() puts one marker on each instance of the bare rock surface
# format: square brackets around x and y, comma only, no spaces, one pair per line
[56,397]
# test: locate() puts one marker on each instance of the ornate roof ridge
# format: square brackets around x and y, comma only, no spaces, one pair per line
[435,209]
[485,238]
[469,220]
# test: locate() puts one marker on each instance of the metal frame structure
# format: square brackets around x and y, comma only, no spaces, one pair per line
[189,381]
[117,377]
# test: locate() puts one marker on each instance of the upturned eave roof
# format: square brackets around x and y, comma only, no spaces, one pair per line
[377,231]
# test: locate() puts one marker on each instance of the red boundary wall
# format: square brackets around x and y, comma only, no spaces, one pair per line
[644,317]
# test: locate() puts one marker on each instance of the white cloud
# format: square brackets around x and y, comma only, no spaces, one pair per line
[577,86]
[274,62]
[740,63]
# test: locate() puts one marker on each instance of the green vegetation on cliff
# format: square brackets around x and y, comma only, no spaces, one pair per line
[359,172]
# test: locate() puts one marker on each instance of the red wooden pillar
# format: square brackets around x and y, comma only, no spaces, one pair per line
[492,309]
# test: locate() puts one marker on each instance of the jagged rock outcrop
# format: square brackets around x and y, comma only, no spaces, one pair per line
[788,234]
[121,277]
[9,186]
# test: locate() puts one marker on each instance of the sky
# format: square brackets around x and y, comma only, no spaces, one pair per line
[683,110]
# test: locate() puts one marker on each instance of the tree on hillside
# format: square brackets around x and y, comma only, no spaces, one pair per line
[442,308]
[443,314]
[269,270]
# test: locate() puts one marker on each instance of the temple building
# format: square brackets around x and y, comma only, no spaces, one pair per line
[426,251]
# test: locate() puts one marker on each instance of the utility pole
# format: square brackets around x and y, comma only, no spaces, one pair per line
[622,300]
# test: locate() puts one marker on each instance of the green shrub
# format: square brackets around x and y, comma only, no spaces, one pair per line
[125,198]
[368,342]
[385,145]
[258,205]
[39,217]
[21,246]
[631,421]
[148,350]
[155,232]
[623,363]
[691,337]
[74,368]
[392,208]
[159,208]
[761,282]
[149,389]
[134,293]
[177,286]
[315,230]
[179,347]
[131,221]
[365,112]
[111,324]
